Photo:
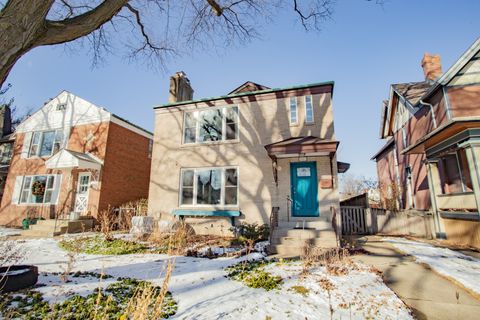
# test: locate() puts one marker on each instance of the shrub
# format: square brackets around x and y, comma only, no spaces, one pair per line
[252,273]
[252,231]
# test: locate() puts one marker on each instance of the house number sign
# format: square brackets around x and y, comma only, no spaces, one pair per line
[303,172]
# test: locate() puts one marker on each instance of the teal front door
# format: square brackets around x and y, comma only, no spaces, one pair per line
[304,187]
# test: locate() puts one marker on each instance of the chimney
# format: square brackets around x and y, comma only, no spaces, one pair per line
[5,120]
[180,89]
[432,66]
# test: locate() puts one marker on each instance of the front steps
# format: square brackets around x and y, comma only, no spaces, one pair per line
[51,228]
[290,238]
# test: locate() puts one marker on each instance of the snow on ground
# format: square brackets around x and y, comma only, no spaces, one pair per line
[5,231]
[461,268]
[203,292]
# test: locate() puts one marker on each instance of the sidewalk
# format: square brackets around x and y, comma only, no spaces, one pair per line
[428,294]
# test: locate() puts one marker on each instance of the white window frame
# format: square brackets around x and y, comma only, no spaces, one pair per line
[224,126]
[222,189]
[20,203]
[306,111]
[40,142]
[61,107]
[293,102]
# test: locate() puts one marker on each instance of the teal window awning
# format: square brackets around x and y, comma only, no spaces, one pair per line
[207,213]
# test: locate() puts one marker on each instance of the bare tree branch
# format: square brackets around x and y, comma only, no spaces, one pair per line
[73,28]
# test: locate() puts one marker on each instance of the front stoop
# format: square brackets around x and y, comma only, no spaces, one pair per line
[290,238]
[51,228]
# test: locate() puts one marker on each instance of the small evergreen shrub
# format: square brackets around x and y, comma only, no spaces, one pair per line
[252,231]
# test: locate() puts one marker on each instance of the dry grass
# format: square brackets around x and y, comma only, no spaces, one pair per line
[183,241]
[147,303]
[106,220]
[130,209]
[336,260]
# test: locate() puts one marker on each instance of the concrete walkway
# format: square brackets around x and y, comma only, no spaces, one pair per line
[428,294]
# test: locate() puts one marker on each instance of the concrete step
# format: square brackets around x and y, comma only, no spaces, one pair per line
[296,249]
[297,219]
[47,228]
[292,241]
[286,251]
[302,224]
[51,222]
[38,234]
[302,233]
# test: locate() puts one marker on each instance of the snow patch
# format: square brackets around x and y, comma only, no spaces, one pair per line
[462,268]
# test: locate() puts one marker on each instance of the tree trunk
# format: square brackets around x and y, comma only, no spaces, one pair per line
[21,23]
[23,26]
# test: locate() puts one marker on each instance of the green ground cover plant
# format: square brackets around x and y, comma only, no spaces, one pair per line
[109,303]
[252,273]
[100,245]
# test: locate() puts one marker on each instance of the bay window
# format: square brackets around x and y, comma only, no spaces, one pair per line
[214,124]
[209,186]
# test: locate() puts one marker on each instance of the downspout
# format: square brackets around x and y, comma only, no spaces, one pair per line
[432,112]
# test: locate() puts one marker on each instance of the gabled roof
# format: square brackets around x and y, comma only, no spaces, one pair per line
[412,91]
[465,58]
[415,92]
[248,86]
[385,147]
[67,159]
[78,112]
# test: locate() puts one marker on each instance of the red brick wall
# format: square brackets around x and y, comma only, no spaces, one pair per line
[126,172]
[11,214]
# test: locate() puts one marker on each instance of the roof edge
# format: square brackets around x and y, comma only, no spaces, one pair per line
[243,94]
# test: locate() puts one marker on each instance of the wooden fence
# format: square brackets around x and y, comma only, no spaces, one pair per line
[354,220]
[358,220]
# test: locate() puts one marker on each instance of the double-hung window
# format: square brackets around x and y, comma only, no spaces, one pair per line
[46,143]
[293,110]
[209,186]
[213,124]
[38,189]
[308,109]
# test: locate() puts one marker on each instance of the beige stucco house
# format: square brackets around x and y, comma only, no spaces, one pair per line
[242,157]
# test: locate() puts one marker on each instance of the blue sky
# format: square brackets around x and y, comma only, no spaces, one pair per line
[364,48]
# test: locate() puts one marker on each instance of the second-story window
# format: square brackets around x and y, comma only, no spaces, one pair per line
[45,143]
[215,124]
[293,110]
[308,109]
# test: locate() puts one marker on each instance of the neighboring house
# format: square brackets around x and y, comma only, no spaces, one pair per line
[431,158]
[6,145]
[73,156]
[235,159]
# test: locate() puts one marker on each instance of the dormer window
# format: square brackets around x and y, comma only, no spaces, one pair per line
[61,107]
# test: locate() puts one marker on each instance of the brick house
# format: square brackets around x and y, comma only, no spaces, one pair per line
[73,156]
[242,157]
[430,160]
